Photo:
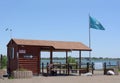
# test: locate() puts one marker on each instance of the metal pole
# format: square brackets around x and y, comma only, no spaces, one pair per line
[89,41]
[11,33]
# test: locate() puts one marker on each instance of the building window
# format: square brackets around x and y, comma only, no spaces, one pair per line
[12,53]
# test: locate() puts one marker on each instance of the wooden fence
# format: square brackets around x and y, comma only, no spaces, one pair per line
[114,68]
[65,69]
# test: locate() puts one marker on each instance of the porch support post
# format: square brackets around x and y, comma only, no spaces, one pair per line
[79,62]
[51,56]
[66,57]
[67,62]
[39,61]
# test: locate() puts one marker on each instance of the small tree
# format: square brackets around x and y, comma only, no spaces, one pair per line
[71,60]
[4,62]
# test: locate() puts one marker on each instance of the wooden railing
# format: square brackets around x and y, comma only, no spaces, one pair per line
[65,69]
[114,68]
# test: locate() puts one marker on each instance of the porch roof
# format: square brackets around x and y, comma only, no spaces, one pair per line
[57,45]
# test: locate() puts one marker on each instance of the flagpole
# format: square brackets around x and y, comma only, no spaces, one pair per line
[11,33]
[89,41]
[93,23]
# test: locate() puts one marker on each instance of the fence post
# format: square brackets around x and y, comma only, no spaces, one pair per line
[80,71]
[60,68]
[0,61]
[92,68]
[87,67]
[68,69]
[76,65]
[118,63]
[47,69]
[105,68]
[42,68]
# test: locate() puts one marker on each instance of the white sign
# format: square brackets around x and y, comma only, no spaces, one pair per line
[22,51]
[28,56]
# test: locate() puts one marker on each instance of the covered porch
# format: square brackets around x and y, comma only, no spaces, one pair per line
[60,68]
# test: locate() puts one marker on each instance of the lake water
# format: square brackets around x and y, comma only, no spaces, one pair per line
[98,63]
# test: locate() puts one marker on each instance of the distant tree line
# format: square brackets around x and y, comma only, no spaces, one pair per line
[94,58]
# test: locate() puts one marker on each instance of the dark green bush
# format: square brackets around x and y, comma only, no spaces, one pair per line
[71,60]
[4,62]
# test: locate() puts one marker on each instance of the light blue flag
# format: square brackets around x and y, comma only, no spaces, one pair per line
[95,24]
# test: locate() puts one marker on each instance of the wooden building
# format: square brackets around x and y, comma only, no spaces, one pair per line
[23,53]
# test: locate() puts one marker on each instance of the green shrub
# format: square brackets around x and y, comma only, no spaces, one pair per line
[119,70]
[10,77]
[21,69]
[71,60]
[4,62]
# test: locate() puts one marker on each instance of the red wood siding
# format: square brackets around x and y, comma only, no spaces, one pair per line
[15,63]
[30,64]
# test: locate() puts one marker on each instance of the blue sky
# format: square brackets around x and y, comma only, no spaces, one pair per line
[64,20]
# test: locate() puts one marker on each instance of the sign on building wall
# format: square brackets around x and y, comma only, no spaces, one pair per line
[22,51]
[28,56]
